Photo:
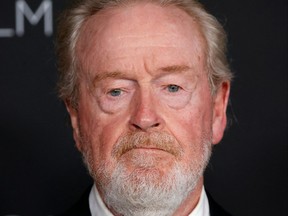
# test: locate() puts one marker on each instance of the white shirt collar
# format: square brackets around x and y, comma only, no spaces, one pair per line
[202,207]
[96,205]
[98,208]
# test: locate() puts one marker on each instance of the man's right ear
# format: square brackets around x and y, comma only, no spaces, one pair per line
[73,113]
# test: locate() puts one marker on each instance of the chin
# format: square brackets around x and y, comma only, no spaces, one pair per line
[147,186]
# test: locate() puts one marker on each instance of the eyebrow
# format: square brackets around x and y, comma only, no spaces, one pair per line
[172,69]
[175,68]
[121,75]
[107,75]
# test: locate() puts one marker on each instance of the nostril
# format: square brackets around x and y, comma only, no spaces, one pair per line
[145,127]
[137,126]
[156,125]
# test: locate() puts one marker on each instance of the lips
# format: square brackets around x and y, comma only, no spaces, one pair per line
[146,149]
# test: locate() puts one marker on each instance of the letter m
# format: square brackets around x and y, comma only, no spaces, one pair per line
[45,9]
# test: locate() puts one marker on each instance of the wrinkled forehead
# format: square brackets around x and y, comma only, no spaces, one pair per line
[141,25]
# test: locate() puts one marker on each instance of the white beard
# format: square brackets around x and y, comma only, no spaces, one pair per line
[145,191]
[138,194]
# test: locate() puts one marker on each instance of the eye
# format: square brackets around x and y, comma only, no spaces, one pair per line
[173,88]
[115,92]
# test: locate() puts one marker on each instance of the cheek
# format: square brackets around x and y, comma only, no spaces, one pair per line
[101,131]
[191,128]
[186,126]
[193,120]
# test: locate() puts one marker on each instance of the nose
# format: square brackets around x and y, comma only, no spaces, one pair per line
[145,115]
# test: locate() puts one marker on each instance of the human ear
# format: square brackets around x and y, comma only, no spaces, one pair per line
[219,120]
[73,113]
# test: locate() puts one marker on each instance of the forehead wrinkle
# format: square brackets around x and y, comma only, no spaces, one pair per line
[173,69]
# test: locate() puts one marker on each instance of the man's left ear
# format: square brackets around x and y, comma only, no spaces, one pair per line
[221,98]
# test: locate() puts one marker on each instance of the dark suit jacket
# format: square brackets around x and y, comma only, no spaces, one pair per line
[81,208]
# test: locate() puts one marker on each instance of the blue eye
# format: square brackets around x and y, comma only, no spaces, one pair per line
[115,92]
[173,88]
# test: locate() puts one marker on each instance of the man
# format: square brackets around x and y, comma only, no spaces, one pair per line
[146,84]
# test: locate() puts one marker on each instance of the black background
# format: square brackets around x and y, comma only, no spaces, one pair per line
[41,172]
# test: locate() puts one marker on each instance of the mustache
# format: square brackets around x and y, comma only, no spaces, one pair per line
[157,140]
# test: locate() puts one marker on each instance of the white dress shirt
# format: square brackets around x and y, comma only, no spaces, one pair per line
[98,208]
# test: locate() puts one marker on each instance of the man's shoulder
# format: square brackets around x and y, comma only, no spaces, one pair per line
[215,208]
[81,207]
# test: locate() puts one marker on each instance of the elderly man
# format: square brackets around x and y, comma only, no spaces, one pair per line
[146,84]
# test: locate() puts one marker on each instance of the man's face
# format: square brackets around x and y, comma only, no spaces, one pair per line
[145,101]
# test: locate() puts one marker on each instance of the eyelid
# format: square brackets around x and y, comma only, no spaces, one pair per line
[174,85]
[113,89]
[116,84]
[169,85]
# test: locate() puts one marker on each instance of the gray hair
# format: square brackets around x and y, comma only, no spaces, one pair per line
[73,18]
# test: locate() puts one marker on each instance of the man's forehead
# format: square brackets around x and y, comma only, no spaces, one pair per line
[139,23]
[116,39]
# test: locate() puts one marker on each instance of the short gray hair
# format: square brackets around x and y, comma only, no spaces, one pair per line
[72,19]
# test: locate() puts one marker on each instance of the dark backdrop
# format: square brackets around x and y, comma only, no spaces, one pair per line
[41,173]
